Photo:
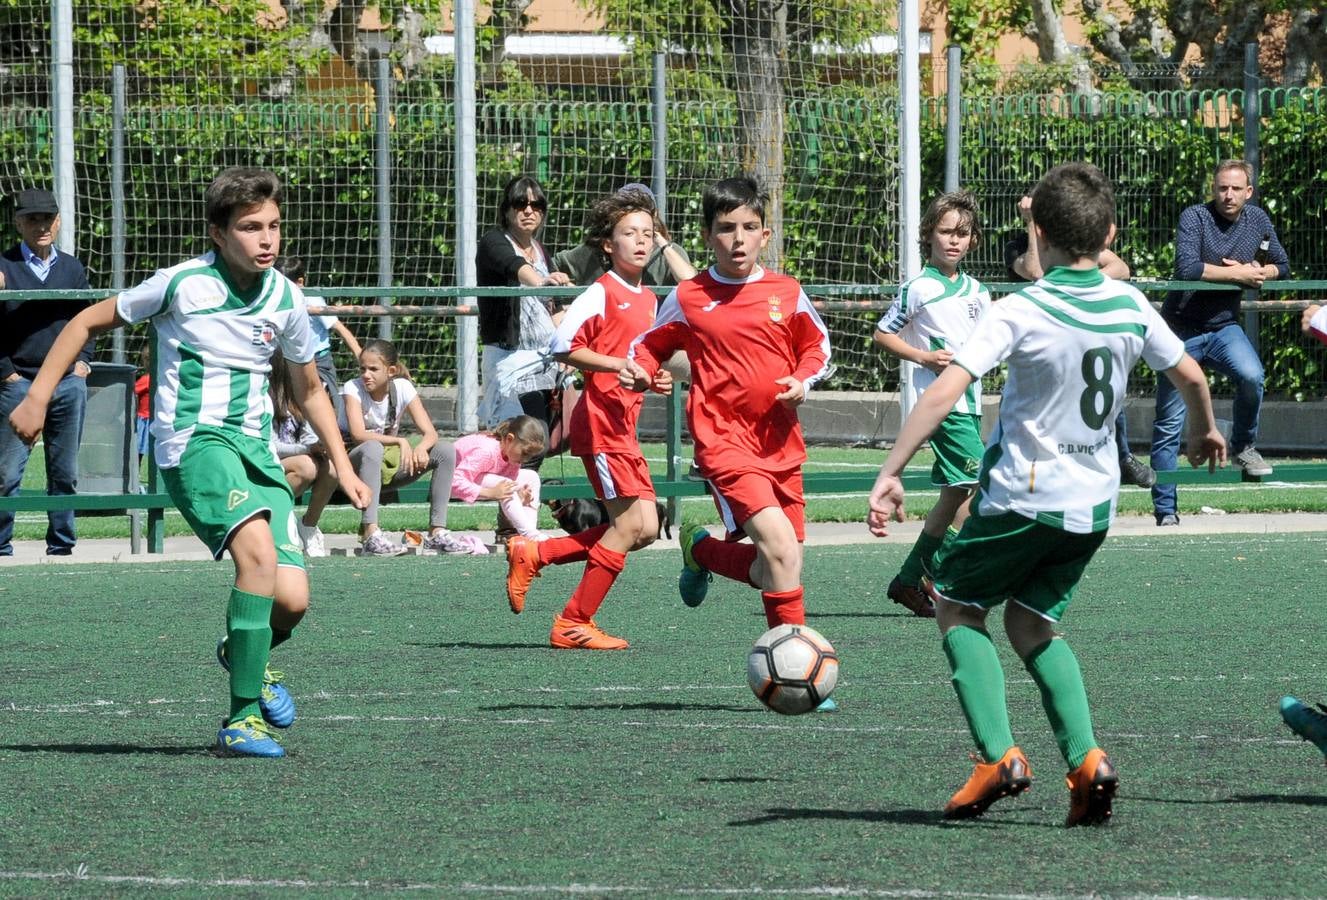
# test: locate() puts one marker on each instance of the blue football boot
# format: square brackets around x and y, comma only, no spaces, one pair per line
[250,736]
[1305,721]
[694,581]
[275,701]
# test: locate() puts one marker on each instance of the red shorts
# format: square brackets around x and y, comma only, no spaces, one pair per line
[740,494]
[614,475]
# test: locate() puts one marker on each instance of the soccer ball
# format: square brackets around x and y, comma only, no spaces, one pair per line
[792,669]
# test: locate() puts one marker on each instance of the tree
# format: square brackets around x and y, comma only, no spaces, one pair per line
[1151,40]
[749,50]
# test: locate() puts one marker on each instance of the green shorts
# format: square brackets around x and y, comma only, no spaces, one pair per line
[958,451]
[1008,556]
[223,480]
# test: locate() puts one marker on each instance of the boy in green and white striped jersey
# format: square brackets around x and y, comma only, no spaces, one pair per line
[934,315]
[217,320]
[1048,484]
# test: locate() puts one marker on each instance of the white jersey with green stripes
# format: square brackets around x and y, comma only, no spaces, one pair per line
[1069,341]
[934,312]
[213,348]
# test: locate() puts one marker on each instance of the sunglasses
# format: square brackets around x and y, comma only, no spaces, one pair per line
[537,205]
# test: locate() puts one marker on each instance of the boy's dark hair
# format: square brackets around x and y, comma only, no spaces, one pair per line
[516,193]
[733,193]
[290,266]
[238,188]
[608,211]
[1074,206]
[961,202]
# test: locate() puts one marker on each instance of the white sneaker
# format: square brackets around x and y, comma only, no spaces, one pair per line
[378,544]
[311,537]
[445,542]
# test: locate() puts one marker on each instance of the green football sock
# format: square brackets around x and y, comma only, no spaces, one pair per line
[248,642]
[979,683]
[1054,668]
[919,558]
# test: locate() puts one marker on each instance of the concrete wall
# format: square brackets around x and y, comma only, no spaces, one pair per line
[853,417]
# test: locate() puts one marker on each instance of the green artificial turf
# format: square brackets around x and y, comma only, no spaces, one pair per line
[444,750]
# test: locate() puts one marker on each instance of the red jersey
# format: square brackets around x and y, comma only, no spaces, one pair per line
[142,396]
[605,319]
[740,337]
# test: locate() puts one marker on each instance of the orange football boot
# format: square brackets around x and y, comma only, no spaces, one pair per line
[569,635]
[1092,787]
[523,567]
[1008,777]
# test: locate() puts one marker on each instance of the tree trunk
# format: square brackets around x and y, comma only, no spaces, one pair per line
[1053,48]
[1306,46]
[758,42]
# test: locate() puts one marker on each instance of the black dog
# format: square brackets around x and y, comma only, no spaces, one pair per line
[577,514]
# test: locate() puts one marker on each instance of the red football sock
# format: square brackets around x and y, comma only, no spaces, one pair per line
[601,570]
[727,558]
[570,549]
[784,607]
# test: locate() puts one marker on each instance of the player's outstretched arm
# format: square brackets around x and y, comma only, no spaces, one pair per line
[318,412]
[1205,443]
[29,417]
[886,500]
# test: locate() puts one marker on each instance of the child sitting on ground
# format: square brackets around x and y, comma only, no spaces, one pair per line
[488,467]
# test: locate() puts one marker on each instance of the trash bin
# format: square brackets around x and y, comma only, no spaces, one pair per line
[107,458]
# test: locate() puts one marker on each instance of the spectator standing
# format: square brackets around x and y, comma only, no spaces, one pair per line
[519,376]
[1217,241]
[28,328]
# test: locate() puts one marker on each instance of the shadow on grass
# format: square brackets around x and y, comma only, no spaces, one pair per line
[736,779]
[1268,799]
[108,749]
[480,645]
[882,614]
[652,706]
[930,817]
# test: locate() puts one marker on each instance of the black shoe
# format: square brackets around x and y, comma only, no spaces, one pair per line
[913,597]
[1134,471]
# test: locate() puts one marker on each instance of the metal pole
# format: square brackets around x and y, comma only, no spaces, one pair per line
[953,115]
[659,179]
[910,157]
[467,208]
[62,114]
[383,173]
[117,199]
[659,173]
[1253,156]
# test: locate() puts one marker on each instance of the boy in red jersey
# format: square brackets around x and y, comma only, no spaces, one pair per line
[756,345]
[594,337]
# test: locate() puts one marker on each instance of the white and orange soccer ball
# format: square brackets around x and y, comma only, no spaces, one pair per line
[792,669]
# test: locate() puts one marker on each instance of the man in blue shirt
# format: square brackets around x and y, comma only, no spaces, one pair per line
[1217,242]
[27,331]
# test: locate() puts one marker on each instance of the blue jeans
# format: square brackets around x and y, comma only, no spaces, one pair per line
[61,437]
[1229,352]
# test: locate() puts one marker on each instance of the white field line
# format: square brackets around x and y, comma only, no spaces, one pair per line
[159,709]
[84,874]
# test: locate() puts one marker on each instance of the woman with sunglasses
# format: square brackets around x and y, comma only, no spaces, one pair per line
[515,331]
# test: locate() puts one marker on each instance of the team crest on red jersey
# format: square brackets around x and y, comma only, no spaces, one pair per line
[775,309]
